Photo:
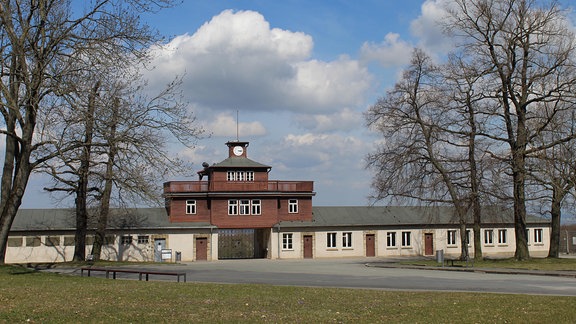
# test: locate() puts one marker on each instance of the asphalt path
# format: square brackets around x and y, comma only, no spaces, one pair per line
[354,273]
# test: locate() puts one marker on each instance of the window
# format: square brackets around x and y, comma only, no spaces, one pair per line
[52,240]
[190,207]
[69,241]
[143,239]
[126,240]
[502,236]
[240,175]
[468,240]
[331,240]
[14,241]
[256,207]
[538,235]
[293,206]
[347,239]
[109,240]
[488,237]
[244,207]
[451,237]
[391,239]
[406,239]
[232,207]
[33,241]
[287,241]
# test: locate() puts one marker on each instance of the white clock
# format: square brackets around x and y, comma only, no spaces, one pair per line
[238,150]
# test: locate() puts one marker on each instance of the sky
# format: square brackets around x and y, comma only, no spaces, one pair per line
[299,75]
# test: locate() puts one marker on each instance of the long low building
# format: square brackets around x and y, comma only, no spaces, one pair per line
[238,212]
[148,235]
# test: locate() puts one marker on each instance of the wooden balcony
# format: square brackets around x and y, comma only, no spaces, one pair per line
[239,186]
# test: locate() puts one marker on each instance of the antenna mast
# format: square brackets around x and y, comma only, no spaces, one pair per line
[237,127]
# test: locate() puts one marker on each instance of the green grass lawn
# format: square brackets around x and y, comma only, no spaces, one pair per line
[33,297]
[562,264]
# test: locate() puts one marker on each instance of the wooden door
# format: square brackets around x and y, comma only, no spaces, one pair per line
[370,245]
[428,244]
[308,247]
[201,249]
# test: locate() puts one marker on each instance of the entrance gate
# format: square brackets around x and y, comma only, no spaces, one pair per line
[245,243]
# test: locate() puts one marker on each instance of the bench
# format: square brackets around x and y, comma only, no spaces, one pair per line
[140,273]
[469,261]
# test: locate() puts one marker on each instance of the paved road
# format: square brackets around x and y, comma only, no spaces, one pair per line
[353,273]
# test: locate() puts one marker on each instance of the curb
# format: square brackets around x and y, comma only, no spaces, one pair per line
[565,274]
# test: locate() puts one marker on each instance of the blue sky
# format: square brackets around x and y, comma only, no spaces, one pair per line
[300,74]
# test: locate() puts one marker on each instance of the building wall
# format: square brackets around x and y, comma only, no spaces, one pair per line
[59,247]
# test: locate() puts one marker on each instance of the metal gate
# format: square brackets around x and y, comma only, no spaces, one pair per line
[245,243]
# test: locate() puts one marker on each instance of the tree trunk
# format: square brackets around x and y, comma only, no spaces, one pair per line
[521,252]
[556,214]
[13,191]
[84,171]
[107,192]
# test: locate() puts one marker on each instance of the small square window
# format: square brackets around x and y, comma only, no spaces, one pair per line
[14,241]
[190,207]
[143,239]
[126,240]
[52,240]
[33,241]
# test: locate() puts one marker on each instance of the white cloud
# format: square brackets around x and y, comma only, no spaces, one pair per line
[225,125]
[236,61]
[345,119]
[428,29]
[390,53]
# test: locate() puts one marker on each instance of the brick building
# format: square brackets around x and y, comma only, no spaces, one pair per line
[240,200]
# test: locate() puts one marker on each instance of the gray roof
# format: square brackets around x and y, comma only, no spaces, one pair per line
[63,219]
[401,216]
[239,162]
[157,218]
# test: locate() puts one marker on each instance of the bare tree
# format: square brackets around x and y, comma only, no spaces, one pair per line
[38,39]
[527,52]
[136,131]
[425,154]
[553,172]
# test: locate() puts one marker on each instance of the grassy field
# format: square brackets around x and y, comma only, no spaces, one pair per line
[33,297]
[563,264]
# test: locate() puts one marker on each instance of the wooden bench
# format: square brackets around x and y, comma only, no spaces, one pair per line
[140,273]
[469,261]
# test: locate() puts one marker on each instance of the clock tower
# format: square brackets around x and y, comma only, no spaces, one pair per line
[237,149]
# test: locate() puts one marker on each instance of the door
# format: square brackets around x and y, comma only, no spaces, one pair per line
[159,245]
[428,244]
[201,249]
[308,247]
[370,245]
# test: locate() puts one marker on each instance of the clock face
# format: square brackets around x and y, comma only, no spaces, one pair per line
[238,150]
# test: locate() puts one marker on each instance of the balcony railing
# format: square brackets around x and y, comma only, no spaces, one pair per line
[205,186]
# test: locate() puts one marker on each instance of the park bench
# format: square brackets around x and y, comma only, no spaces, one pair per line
[141,273]
[469,261]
